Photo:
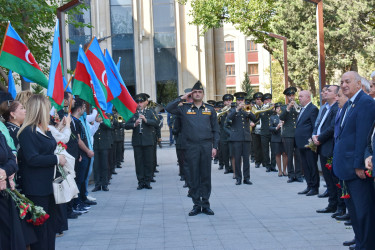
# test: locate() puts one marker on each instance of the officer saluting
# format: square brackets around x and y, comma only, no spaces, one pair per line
[143,124]
[201,133]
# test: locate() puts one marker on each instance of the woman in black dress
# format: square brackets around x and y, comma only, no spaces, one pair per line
[11,235]
[276,143]
[37,160]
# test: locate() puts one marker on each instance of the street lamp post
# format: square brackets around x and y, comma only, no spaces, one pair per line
[320,38]
[60,12]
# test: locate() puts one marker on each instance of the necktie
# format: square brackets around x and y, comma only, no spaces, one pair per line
[300,113]
[321,119]
[346,112]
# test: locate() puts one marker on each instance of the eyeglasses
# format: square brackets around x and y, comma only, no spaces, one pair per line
[9,102]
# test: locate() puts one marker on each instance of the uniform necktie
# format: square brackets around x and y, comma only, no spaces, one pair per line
[346,112]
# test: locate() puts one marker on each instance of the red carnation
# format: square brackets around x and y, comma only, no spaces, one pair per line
[368,173]
[338,185]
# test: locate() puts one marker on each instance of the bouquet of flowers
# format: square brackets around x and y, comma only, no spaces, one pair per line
[311,145]
[344,194]
[37,213]
[59,149]
[329,164]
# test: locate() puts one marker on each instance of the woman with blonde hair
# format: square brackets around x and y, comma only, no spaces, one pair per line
[38,161]
[23,97]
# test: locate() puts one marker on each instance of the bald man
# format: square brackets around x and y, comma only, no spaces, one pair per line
[304,129]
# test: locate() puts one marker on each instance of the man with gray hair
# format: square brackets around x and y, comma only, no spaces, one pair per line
[365,85]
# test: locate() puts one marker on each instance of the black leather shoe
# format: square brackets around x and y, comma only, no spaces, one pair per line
[248,182]
[257,165]
[220,167]
[238,182]
[226,172]
[189,195]
[152,180]
[268,170]
[312,192]
[305,191]
[196,210]
[326,210]
[208,211]
[118,166]
[140,186]
[348,223]
[147,186]
[352,247]
[114,172]
[343,217]
[185,185]
[349,242]
[105,188]
[274,170]
[96,188]
[323,195]
[88,202]
[338,213]
[299,179]
[290,180]
[156,171]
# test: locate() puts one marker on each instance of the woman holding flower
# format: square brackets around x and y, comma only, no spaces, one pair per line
[37,160]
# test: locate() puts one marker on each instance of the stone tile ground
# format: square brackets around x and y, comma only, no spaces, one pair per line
[266,215]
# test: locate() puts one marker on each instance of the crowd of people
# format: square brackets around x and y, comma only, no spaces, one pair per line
[291,139]
[29,136]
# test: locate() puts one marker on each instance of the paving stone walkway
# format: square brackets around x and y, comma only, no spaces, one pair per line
[266,215]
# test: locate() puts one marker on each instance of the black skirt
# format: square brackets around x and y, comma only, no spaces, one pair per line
[277,148]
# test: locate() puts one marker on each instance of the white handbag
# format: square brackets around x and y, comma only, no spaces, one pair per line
[64,190]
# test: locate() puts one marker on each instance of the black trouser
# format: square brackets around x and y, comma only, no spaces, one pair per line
[100,167]
[224,149]
[81,174]
[143,158]
[266,161]
[331,182]
[181,160]
[241,153]
[118,149]
[252,153]
[122,150]
[361,206]
[198,159]
[310,167]
[257,143]
[294,169]
[111,161]
[46,233]
[155,158]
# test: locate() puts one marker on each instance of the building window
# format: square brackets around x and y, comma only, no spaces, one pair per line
[229,46]
[251,45]
[80,35]
[165,50]
[230,70]
[252,69]
[123,40]
[231,90]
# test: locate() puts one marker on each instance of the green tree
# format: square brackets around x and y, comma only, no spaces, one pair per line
[34,21]
[246,86]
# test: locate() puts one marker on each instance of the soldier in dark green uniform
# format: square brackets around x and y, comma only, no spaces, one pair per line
[265,134]
[201,134]
[219,106]
[143,124]
[257,143]
[238,120]
[118,124]
[224,135]
[289,115]
[102,146]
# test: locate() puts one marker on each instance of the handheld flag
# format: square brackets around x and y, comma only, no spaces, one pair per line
[110,86]
[15,55]
[55,88]
[124,103]
[11,85]
[119,63]
[87,86]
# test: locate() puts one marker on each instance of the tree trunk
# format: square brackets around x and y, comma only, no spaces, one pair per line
[4,75]
[312,84]
[24,85]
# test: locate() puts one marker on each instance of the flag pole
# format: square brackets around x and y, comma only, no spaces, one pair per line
[5,36]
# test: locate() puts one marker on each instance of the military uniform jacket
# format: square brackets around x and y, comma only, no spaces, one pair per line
[275,133]
[290,119]
[198,124]
[239,125]
[147,137]
[117,126]
[265,122]
[224,132]
[103,138]
[176,131]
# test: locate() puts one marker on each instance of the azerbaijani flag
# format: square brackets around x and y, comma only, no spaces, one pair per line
[110,86]
[11,85]
[124,103]
[119,63]
[87,86]
[15,55]
[55,88]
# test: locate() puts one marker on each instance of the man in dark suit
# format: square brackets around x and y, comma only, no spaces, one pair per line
[304,128]
[238,121]
[143,124]
[224,144]
[256,139]
[323,137]
[289,115]
[356,119]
